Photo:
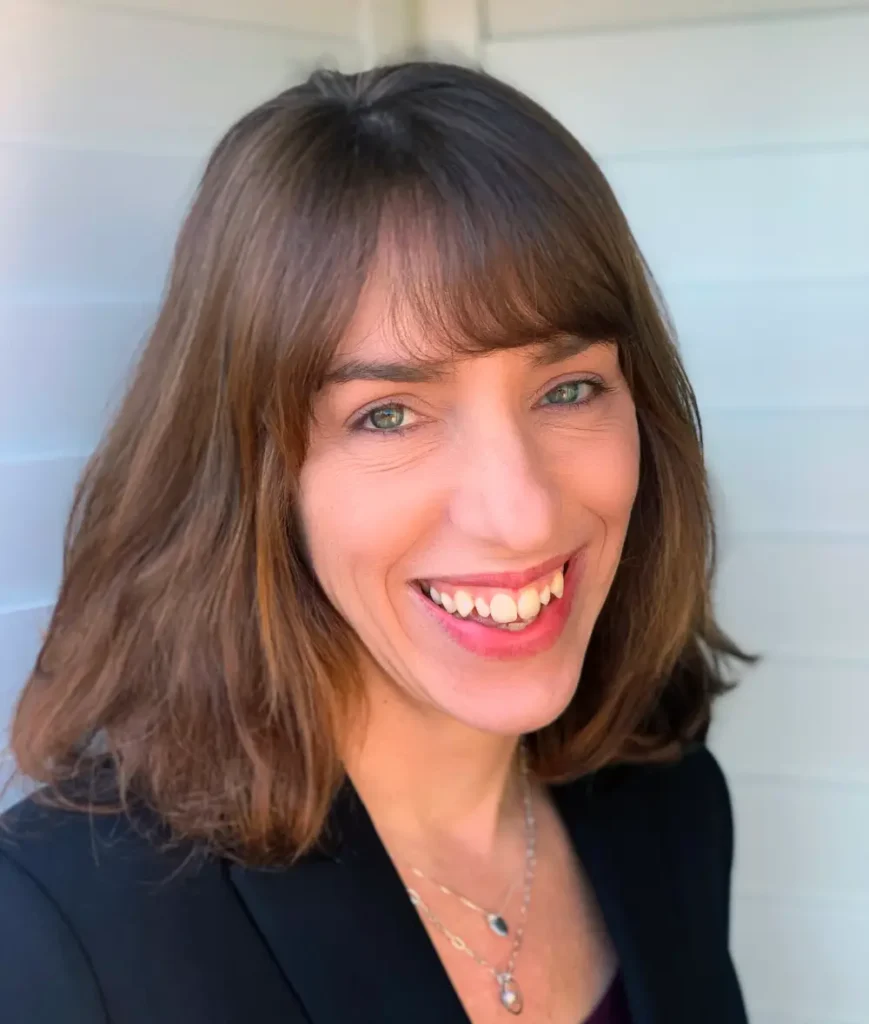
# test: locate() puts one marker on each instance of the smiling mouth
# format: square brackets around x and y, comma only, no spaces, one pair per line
[499,608]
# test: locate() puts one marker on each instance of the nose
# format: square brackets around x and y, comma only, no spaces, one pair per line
[501,496]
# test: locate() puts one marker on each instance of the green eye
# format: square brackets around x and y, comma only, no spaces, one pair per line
[387,417]
[569,393]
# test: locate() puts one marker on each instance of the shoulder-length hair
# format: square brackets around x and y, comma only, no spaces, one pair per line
[191,647]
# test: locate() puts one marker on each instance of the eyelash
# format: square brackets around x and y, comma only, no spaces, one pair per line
[358,425]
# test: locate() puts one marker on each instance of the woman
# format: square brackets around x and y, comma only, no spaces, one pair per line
[383,655]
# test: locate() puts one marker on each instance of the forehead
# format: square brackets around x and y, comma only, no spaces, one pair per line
[385,339]
[384,325]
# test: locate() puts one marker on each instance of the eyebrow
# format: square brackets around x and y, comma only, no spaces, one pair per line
[546,353]
[560,347]
[399,373]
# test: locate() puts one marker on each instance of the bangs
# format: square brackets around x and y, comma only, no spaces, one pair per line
[480,238]
[478,263]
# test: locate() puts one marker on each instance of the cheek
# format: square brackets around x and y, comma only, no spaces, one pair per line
[620,475]
[357,522]
[603,475]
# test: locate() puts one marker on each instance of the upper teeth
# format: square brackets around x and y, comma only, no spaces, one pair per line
[500,606]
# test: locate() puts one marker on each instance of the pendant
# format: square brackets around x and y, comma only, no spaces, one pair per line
[498,925]
[511,996]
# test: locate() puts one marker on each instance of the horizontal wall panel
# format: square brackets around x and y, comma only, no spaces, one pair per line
[33,514]
[797,718]
[789,955]
[801,837]
[20,639]
[64,366]
[802,595]
[706,87]
[328,17]
[799,1018]
[506,17]
[89,224]
[101,79]
[775,345]
[763,216]
[790,471]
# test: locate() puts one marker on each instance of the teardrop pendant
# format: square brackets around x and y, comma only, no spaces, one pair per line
[498,925]
[511,995]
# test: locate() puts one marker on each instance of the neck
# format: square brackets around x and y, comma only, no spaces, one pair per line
[435,788]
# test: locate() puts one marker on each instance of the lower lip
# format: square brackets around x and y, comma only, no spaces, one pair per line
[491,642]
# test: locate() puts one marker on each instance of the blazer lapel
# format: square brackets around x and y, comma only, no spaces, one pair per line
[623,866]
[655,891]
[344,933]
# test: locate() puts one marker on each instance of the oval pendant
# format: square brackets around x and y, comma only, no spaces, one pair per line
[498,925]
[511,995]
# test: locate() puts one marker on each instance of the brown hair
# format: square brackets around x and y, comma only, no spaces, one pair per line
[191,646]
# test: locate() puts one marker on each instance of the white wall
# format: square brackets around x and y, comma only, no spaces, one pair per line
[736,134]
[107,111]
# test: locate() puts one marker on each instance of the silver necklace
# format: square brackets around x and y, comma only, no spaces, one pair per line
[508,990]
[494,918]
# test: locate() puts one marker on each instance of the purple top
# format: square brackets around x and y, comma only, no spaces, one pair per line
[613,1008]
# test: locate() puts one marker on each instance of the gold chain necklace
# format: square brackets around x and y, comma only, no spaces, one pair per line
[508,990]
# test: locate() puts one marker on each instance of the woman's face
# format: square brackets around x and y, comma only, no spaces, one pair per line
[441,503]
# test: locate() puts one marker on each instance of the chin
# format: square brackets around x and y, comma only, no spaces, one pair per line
[511,709]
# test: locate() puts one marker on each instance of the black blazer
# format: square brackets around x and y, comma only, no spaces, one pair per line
[97,927]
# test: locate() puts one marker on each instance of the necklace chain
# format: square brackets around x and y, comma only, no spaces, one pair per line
[464,899]
[511,997]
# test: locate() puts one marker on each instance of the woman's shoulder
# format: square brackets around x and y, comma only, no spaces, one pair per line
[44,971]
[83,866]
[685,802]
[695,776]
[61,845]
[665,829]
[88,897]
